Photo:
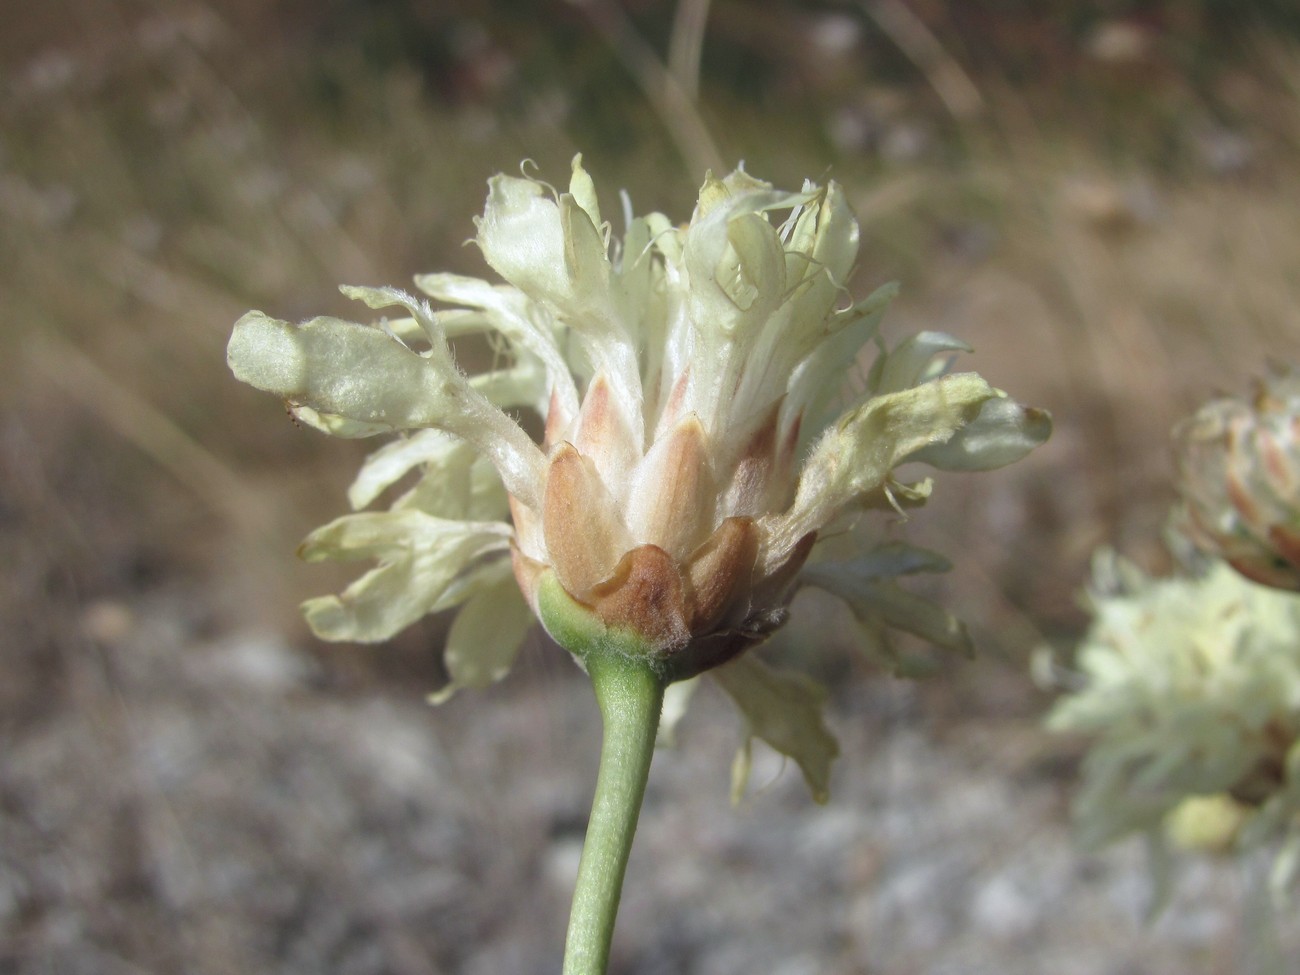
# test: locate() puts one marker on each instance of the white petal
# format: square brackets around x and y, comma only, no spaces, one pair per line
[340,368]
[583,190]
[1002,434]
[486,635]
[524,323]
[817,383]
[821,251]
[751,271]
[358,380]
[857,455]
[390,463]
[644,301]
[420,558]
[881,562]
[875,601]
[677,698]
[553,252]
[378,534]
[388,297]
[785,710]
[335,425]
[346,371]
[592,312]
[722,284]
[521,237]
[466,494]
[459,492]
[836,247]
[519,385]
[909,363]
[523,384]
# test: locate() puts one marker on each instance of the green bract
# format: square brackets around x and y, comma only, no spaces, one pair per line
[709,426]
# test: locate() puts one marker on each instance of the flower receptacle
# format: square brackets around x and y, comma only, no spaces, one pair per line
[579,629]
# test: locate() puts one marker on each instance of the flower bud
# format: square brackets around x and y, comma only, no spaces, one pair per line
[1239,475]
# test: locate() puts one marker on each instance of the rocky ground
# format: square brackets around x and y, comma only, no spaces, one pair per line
[189,785]
[211,803]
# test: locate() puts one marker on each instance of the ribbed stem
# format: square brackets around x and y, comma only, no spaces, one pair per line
[630,696]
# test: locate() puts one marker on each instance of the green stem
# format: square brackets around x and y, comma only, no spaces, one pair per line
[630,696]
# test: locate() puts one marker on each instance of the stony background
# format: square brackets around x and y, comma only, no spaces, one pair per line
[1100,198]
[204,803]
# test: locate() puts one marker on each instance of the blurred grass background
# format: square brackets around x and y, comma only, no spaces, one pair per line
[1100,197]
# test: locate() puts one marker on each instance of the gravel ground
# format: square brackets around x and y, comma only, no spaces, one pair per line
[209,803]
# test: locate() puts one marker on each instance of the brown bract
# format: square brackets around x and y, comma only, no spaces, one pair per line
[695,604]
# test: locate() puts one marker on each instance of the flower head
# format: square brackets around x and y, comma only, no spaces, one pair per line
[1191,689]
[1239,474]
[705,421]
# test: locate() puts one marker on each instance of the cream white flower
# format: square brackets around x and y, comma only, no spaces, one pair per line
[1191,689]
[706,423]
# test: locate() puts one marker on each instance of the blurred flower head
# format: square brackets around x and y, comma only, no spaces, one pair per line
[1239,474]
[706,423]
[1191,689]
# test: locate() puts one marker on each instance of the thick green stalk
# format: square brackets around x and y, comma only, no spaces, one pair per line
[630,696]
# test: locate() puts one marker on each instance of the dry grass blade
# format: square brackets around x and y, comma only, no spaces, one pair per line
[950,81]
[150,430]
[669,99]
[686,46]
